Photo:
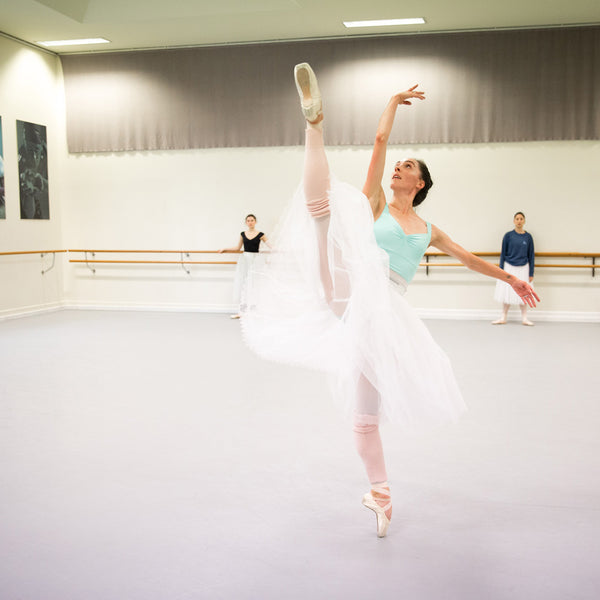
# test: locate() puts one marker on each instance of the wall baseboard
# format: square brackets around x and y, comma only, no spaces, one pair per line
[424,313]
[204,308]
[558,316]
[29,311]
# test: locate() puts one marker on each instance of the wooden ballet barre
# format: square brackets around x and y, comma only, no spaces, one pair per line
[592,255]
[157,262]
[537,265]
[566,266]
[537,254]
[427,256]
[42,252]
[567,254]
[155,251]
[183,261]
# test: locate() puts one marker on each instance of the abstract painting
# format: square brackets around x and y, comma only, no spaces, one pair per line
[33,170]
[2,197]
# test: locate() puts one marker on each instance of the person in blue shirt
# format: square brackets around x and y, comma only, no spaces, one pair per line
[331,296]
[517,257]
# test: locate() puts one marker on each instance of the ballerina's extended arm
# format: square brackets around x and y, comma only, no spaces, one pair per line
[233,249]
[373,189]
[443,242]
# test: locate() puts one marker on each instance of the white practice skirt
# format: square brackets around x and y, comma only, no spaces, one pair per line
[368,331]
[504,292]
[242,272]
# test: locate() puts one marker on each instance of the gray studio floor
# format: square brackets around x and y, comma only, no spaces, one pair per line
[151,456]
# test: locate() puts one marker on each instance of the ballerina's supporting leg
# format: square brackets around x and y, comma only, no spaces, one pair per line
[370,449]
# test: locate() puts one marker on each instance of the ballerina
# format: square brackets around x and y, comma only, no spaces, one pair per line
[517,257]
[331,297]
[251,241]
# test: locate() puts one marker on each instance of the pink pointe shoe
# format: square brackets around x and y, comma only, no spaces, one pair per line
[370,502]
[308,89]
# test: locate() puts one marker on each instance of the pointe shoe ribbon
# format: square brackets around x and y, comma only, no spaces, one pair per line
[370,502]
[308,89]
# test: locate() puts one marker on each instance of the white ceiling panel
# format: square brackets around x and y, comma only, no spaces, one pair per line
[140,24]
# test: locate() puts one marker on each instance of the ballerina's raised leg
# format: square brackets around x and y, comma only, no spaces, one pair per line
[336,290]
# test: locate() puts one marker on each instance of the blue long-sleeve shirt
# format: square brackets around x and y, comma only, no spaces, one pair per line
[517,250]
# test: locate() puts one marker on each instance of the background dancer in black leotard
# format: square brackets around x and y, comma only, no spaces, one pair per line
[250,240]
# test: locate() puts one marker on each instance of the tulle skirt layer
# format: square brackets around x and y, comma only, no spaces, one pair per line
[242,272]
[367,331]
[504,292]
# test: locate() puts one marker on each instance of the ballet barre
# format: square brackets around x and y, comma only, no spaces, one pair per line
[185,258]
[42,253]
[183,261]
[590,255]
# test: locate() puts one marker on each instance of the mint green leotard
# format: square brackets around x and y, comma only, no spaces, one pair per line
[405,251]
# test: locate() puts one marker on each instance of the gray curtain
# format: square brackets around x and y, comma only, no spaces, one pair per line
[481,87]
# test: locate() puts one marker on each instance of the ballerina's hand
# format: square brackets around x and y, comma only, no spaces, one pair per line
[525,292]
[403,97]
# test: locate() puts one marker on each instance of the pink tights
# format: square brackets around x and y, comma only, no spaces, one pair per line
[316,191]
[316,173]
[366,432]
[370,449]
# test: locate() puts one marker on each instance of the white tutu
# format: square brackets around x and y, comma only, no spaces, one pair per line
[242,272]
[377,334]
[504,292]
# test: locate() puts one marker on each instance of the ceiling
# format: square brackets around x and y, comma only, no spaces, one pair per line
[143,24]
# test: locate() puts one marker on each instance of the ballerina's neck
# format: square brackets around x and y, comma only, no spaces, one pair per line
[402,205]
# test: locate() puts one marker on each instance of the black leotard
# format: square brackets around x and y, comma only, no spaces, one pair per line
[251,245]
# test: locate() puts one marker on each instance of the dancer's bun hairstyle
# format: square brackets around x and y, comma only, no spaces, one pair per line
[426,177]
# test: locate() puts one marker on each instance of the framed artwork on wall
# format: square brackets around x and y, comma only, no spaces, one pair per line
[33,170]
[2,196]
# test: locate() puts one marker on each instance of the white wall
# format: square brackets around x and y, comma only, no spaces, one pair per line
[31,89]
[197,200]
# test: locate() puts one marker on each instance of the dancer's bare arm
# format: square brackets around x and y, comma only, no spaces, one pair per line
[443,242]
[234,249]
[373,189]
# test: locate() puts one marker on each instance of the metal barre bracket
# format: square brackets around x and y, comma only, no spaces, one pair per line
[53,261]
[187,254]
[86,262]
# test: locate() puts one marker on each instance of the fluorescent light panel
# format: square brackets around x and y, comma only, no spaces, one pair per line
[385,22]
[74,42]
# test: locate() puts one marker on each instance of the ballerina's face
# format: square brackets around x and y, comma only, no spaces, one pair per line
[407,175]
[250,222]
[519,221]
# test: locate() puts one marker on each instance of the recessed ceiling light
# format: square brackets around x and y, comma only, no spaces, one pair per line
[384,22]
[74,42]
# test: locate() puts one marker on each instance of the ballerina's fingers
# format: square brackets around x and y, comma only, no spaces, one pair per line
[530,298]
[412,92]
[409,103]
